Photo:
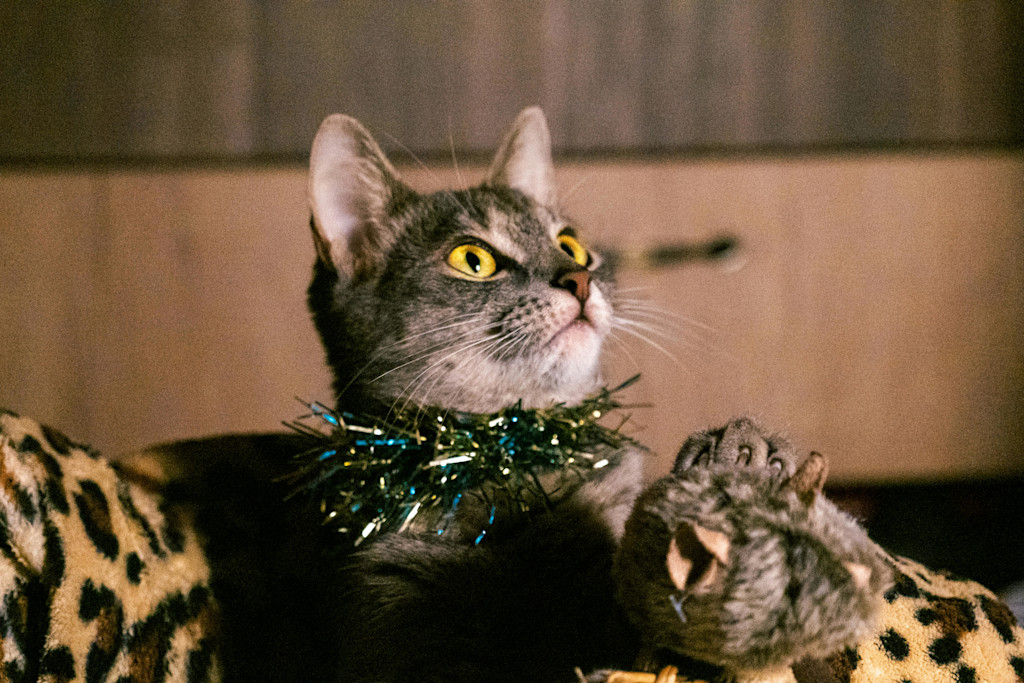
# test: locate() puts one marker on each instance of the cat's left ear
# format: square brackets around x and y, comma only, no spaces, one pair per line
[352,187]
[523,161]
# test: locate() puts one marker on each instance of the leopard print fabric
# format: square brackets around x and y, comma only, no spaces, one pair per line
[97,583]
[936,628]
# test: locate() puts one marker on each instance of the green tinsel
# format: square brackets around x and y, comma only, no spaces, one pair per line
[373,474]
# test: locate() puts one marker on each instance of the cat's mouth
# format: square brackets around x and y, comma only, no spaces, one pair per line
[585,327]
[579,330]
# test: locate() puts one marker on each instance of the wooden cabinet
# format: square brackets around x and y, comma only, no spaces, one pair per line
[875,310]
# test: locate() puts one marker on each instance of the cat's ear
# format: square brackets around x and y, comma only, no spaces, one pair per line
[351,187]
[523,161]
[695,556]
[809,479]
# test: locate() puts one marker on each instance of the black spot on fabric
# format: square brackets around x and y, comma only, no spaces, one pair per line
[199,598]
[94,599]
[20,624]
[151,638]
[200,663]
[903,586]
[965,674]
[1017,663]
[177,608]
[174,537]
[14,673]
[54,484]
[124,497]
[95,513]
[15,491]
[133,568]
[101,605]
[30,444]
[5,539]
[926,616]
[54,559]
[895,645]
[945,650]
[58,663]
[1000,616]
[58,440]
[22,500]
[954,615]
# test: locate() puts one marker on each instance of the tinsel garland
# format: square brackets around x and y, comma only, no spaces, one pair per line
[373,474]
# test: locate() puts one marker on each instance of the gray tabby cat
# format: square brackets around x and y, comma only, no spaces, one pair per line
[470,300]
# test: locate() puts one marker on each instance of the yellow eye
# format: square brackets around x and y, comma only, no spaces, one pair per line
[571,246]
[473,260]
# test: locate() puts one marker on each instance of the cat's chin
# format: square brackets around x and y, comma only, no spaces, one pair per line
[578,338]
[568,374]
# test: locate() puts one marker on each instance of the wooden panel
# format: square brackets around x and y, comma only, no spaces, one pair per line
[241,78]
[876,311]
[141,307]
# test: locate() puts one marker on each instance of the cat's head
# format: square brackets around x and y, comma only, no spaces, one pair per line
[466,299]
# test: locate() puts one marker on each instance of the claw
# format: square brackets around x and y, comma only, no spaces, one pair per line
[667,675]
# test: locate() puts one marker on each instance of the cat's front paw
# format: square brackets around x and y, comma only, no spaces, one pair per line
[740,443]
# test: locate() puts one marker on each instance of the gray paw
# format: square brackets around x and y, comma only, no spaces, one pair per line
[742,443]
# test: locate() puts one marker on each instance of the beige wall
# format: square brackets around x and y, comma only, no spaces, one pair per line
[876,312]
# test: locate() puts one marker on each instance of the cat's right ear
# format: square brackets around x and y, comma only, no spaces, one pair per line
[351,188]
[523,161]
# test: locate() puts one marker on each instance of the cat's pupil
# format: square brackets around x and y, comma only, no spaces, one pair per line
[568,250]
[474,261]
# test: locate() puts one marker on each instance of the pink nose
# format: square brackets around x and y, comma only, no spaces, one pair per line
[577,283]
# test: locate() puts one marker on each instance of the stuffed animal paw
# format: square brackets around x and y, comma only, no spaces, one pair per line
[737,561]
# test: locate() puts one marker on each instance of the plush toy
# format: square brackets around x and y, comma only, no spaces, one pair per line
[735,567]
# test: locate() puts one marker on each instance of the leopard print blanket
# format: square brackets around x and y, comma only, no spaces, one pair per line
[97,583]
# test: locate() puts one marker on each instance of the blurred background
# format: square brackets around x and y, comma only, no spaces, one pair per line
[867,157]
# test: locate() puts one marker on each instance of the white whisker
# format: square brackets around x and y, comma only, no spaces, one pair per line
[639,335]
[436,364]
[642,305]
[575,188]
[426,353]
[455,162]
[623,347]
[419,162]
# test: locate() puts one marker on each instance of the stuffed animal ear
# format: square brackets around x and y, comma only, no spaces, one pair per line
[351,187]
[695,556]
[523,161]
[861,574]
[809,478]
